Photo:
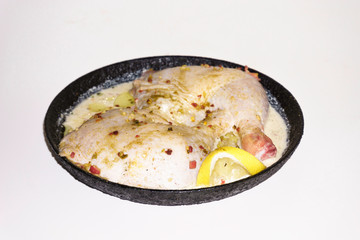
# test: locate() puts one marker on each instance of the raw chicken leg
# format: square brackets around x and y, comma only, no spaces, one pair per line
[137,148]
[247,106]
[223,98]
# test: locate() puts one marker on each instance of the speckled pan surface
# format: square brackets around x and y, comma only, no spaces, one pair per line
[130,70]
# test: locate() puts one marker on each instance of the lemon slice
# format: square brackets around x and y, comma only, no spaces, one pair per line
[248,161]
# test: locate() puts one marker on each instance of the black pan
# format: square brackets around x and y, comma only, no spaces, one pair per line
[125,71]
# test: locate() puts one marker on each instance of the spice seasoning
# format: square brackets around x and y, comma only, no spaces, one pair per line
[114,133]
[189,149]
[149,79]
[136,122]
[168,151]
[122,155]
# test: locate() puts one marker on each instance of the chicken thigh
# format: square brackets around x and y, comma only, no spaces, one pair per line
[137,148]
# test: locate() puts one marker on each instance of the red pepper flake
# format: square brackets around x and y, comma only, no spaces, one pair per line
[189,149]
[94,169]
[168,151]
[199,96]
[140,91]
[170,123]
[212,105]
[72,155]
[192,164]
[201,147]
[198,127]
[167,81]
[137,136]
[98,117]
[210,126]
[194,105]
[222,181]
[114,133]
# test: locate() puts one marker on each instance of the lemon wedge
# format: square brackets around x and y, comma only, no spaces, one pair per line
[241,162]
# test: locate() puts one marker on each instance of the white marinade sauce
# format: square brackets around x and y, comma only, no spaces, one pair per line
[105,97]
[275,127]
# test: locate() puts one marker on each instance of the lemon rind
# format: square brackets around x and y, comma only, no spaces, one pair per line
[247,160]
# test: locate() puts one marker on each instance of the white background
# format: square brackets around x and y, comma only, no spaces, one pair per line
[311,47]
